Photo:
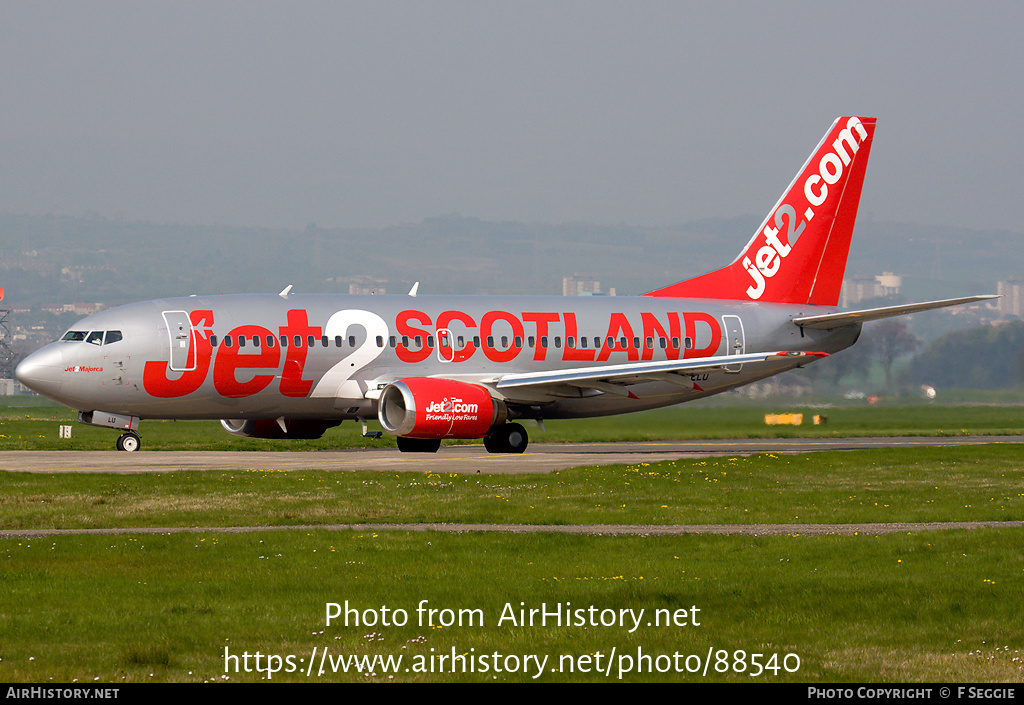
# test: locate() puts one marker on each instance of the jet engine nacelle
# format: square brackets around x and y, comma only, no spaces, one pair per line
[271,428]
[425,407]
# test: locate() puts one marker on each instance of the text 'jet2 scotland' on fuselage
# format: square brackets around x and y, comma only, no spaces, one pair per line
[434,367]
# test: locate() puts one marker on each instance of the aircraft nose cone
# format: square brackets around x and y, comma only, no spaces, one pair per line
[41,371]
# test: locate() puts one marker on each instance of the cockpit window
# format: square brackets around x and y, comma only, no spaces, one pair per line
[96,337]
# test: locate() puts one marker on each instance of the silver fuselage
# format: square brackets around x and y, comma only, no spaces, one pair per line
[322,356]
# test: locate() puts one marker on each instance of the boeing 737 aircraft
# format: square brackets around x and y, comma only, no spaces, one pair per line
[435,367]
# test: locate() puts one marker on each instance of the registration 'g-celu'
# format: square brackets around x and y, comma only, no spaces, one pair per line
[434,367]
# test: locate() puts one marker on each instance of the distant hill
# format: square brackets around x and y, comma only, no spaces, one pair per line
[49,259]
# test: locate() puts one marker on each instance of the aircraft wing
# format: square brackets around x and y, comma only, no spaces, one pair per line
[611,378]
[845,318]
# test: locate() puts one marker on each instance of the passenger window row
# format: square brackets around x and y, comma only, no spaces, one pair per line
[270,341]
[531,342]
[284,341]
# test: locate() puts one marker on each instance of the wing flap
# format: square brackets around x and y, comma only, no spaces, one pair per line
[600,377]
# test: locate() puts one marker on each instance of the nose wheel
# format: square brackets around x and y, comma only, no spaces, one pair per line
[129,442]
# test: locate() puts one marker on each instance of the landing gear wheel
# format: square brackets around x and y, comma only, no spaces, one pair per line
[418,445]
[515,438]
[510,438]
[129,442]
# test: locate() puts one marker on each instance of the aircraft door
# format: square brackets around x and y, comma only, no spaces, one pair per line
[449,345]
[445,345]
[182,341]
[734,339]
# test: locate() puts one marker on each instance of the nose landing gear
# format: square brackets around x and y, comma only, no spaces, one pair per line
[129,442]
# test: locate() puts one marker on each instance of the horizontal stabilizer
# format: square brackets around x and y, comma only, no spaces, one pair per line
[846,318]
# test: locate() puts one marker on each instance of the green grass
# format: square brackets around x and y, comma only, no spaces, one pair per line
[979,483]
[940,606]
[37,427]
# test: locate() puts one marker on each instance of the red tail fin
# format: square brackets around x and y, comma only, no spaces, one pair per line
[798,255]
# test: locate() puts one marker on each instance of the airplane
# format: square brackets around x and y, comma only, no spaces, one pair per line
[436,367]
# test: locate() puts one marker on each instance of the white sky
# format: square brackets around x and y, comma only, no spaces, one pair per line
[376,113]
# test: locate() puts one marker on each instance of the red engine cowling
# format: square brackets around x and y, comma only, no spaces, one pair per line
[426,407]
[271,428]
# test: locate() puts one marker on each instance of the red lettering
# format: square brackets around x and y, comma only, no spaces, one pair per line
[619,323]
[257,365]
[230,360]
[292,384]
[691,332]
[654,331]
[444,321]
[541,320]
[405,354]
[486,326]
[576,353]
[154,375]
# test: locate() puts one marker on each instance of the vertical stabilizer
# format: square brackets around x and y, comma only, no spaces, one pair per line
[798,255]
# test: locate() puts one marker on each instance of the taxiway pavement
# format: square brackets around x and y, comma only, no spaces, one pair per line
[538,458]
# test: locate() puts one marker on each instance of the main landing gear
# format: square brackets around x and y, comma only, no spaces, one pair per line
[129,442]
[510,438]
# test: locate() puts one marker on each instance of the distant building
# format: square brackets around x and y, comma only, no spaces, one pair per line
[77,309]
[1012,303]
[78,273]
[888,284]
[85,309]
[882,286]
[365,284]
[580,285]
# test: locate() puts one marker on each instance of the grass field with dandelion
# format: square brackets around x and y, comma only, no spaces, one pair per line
[980,483]
[935,606]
